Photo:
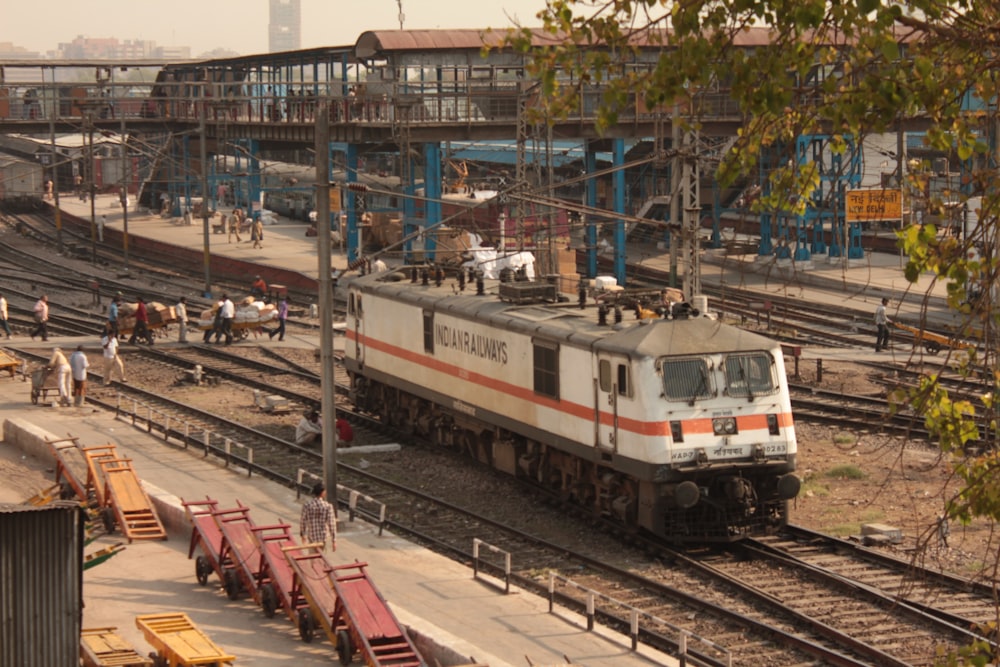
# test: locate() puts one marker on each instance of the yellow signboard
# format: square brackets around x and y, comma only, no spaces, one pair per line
[874,205]
[334,199]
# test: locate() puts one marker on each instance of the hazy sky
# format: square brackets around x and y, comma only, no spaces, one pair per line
[241,25]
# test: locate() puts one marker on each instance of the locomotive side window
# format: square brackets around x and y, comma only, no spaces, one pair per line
[624,386]
[686,379]
[604,375]
[750,375]
[429,331]
[546,367]
[350,304]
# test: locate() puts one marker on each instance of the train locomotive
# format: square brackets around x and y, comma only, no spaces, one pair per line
[676,425]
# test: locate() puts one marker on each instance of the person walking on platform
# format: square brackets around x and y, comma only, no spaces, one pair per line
[100,228]
[112,360]
[79,364]
[282,317]
[3,315]
[141,329]
[113,314]
[60,366]
[882,324]
[257,233]
[319,520]
[41,311]
[180,310]
[228,311]
[216,328]
[234,227]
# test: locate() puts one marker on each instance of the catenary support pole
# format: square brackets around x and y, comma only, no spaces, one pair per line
[326,300]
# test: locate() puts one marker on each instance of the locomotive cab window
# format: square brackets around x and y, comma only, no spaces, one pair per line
[687,379]
[545,360]
[750,374]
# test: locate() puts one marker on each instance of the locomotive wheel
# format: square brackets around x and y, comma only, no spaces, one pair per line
[268,600]
[344,649]
[231,582]
[307,626]
[202,569]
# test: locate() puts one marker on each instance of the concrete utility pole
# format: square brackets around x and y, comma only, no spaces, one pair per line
[326,301]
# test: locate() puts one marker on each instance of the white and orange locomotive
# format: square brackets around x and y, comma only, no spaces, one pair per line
[678,425]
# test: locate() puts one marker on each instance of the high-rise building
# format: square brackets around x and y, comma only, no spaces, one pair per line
[284,31]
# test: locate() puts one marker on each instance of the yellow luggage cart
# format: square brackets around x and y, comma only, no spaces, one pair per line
[933,342]
[103,647]
[178,642]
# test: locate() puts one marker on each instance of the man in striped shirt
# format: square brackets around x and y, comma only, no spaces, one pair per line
[319,520]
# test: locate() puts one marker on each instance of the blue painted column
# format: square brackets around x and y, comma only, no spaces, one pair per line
[432,189]
[254,178]
[590,192]
[618,162]
[353,249]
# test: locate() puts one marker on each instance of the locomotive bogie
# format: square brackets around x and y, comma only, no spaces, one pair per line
[679,427]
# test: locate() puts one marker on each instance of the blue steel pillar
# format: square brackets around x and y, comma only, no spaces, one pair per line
[353,249]
[618,164]
[254,178]
[410,224]
[590,185]
[432,190]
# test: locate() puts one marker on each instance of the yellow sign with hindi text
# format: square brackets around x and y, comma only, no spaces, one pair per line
[863,205]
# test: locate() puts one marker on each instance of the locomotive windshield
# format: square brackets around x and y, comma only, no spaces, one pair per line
[686,379]
[750,375]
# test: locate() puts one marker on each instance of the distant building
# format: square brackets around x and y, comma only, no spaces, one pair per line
[88,48]
[284,31]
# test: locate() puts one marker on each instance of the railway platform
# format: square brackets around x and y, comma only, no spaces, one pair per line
[459,619]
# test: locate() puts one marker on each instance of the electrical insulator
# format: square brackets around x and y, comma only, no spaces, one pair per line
[357,187]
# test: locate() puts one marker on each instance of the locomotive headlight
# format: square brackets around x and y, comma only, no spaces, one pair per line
[724,426]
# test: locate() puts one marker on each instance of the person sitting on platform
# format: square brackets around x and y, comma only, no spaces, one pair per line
[309,430]
[259,287]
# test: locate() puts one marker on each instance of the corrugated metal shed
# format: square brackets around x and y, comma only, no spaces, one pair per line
[41,566]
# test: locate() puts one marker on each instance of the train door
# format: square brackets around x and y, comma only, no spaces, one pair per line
[613,382]
[355,315]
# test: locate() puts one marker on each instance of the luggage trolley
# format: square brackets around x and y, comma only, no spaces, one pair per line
[178,642]
[367,624]
[103,647]
[275,578]
[204,533]
[239,555]
[312,593]
[344,602]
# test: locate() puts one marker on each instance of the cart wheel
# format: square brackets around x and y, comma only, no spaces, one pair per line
[231,583]
[202,569]
[66,492]
[34,396]
[307,626]
[344,649]
[108,519]
[932,347]
[268,600]
[158,660]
